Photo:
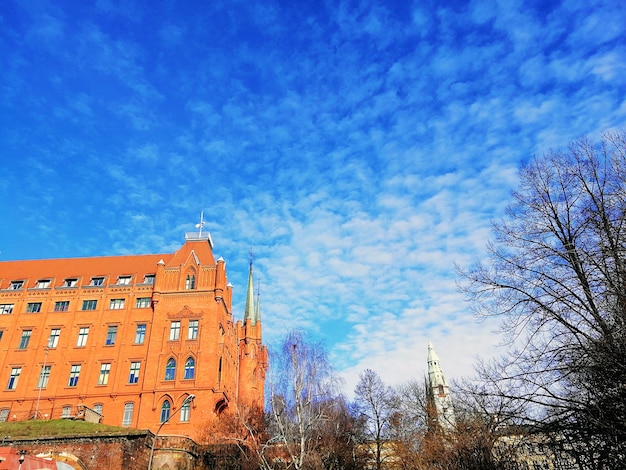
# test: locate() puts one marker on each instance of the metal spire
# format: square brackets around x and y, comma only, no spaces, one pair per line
[249,311]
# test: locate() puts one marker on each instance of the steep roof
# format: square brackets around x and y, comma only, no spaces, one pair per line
[58,269]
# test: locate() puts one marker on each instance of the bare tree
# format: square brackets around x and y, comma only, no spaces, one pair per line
[557,276]
[301,384]
[375,401]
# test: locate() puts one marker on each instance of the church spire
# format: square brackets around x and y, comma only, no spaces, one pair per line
[438,392]
[249,312]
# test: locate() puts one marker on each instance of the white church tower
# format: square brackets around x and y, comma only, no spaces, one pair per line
[439,393]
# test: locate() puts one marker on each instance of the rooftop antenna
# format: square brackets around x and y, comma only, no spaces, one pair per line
[201,224]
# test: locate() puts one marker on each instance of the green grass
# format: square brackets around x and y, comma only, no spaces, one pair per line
[59,428]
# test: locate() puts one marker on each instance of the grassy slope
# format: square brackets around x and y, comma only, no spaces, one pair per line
[59,428]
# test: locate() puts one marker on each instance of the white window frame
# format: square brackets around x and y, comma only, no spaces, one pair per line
[117,304]
[174,331]
[105,371]
[142,302]
[53,339]
[127,418]
[193,329]
[6,309]
[83,336]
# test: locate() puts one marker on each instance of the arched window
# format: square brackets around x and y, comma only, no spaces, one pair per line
[190,367]
[185,411]
[190,282]
[165,411]
[170,369]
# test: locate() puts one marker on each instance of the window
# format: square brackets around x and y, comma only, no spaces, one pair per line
[83,333]
[66,412]
[170,369]
[33,307]
[13,378]
[74,374]
[149,279]
[98,408]
[24,340]
[174,331]
[97,281]
[42,284]
[71,282]
[16,285]
[128,414]
[103,378]
[124,280]
[111,334]
[165,411]
[133,378]
[190,282]
[44,375]
[192,333]
[116,304]
[142,302]
[185,411]
[6,309]
[190,367]
[1,333]
[53,339]
[140,334]
[89,304]
[4,414]
[62,306]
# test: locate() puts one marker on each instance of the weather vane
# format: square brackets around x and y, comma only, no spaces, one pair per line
[202,222]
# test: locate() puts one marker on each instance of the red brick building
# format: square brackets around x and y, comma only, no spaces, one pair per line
[130,337]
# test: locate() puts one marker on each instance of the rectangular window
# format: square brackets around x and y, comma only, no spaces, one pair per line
[25,339]
[124,280]
[16,285]
[66,412]
[142,302]
[116,304]
[13,378]
[33,307]
[6,309]
[140,334]
[97,281]
[98,408]
[71,282]
[44,375]
[4,414]
[62,306]
[133,378]
[192,333]
[74,374]
[149,279]
[42,284]
[53,339]
[83,333]
[111,334]
[128,414]
[175,331]
[103,378]
[89,304]
[1,333]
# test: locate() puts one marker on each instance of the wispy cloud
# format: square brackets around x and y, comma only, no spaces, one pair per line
[360,149]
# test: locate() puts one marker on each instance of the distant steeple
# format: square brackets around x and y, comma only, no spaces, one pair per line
[249,312]
[438,392]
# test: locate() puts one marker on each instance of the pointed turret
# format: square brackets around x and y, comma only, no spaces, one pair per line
[250,313]
[439,393]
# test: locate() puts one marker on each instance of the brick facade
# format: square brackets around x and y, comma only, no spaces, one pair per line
[129,337]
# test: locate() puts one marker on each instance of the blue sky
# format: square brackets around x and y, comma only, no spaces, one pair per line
[360,148]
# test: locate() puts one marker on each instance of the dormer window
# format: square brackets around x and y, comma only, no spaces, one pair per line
[42,284]
[124,280]
[190,282]
[71,282]
[149,279]
[16,285]
[97,281]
